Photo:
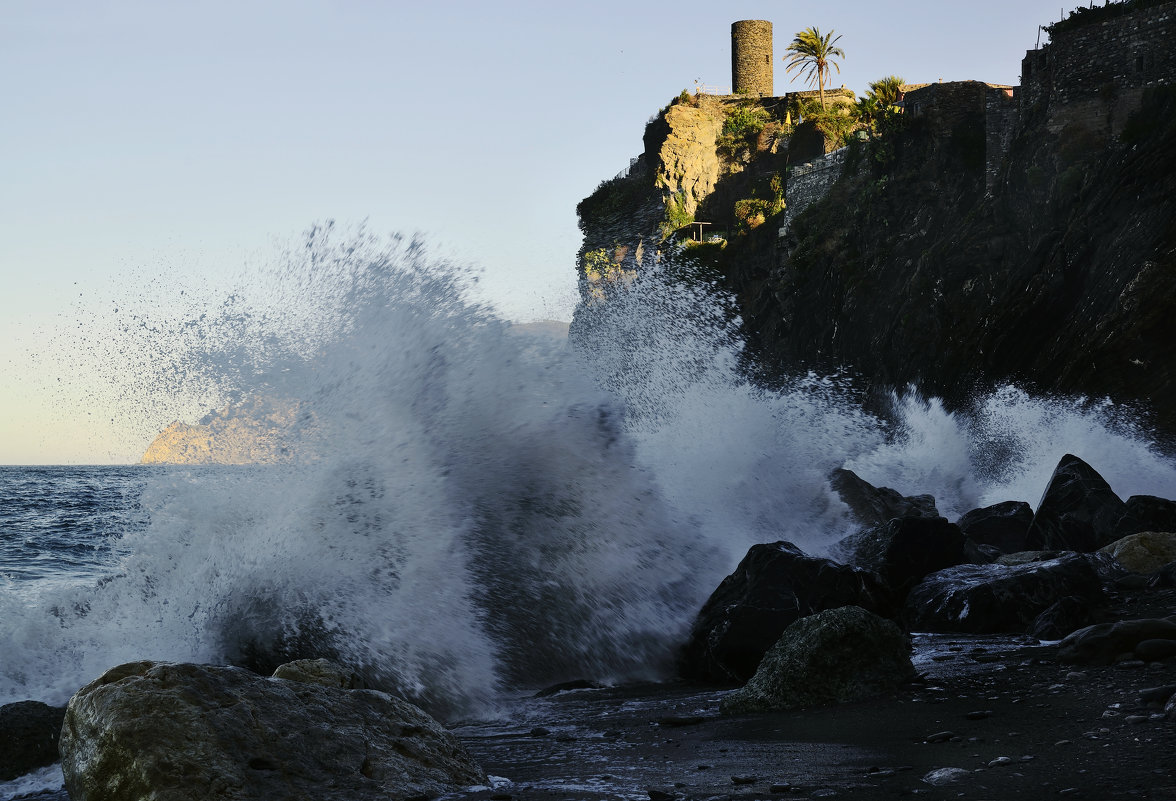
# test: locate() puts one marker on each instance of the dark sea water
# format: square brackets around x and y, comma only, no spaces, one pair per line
[62,525]
[471,513]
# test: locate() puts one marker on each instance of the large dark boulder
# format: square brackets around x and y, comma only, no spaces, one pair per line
[28,737]
[1000,598]
[1105,643]
[150,730]
[906,549]
[1078,512]
[1146,513]
[875,506]
[773,586]
[832,657]
[1064,616]
[1002,525]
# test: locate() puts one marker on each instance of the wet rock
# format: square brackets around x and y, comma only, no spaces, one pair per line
[745,779]
[831,657]
[1145,552]
[906,549]
[999,598]
[773,586]
[1027,557]
[875,506]
[1104,643]
[1078,511]
[323,672]
[1155,650]
[1157,695]
[1164,577]
[977,554]
[1062,617]
[1170,708]
[1146,513]
[180,731]
[28,737]
[944,776]
[1002,525]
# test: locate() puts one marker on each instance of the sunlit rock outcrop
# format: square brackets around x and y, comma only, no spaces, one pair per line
[253,432]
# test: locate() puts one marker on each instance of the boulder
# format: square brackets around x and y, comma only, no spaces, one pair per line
[1105,643]
[773,586]
[1002,525]
[28,737]
[1145,552]
[1000,598]
[1155,650]
[153,730]
[1146,513]
[977,554]
[1077,512]
[1025,557]
[318,671]
[832,657]
[1062,617]
[1164,577]
[907,548]
[875,506]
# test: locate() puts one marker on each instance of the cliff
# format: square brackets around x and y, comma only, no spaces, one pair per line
[253,432]
[985,235]
[715,160]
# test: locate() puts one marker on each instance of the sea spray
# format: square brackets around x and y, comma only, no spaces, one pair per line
[465,510]
[751,465]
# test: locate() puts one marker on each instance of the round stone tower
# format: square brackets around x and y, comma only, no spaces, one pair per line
[751,57]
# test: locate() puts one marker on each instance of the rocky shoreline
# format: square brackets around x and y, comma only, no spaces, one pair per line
[804,683]
[992,718]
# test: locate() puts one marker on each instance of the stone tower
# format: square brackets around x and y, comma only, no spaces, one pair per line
[751,57]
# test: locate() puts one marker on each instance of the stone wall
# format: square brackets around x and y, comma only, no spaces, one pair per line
[751,58]
[807,183]
[1092,74]
[947,106]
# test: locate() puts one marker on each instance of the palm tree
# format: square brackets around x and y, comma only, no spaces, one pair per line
[881,100]
[812,53]
[886,90]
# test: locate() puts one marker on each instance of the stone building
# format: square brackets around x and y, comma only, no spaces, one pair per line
[963,108]
[1098,63]
[751,58]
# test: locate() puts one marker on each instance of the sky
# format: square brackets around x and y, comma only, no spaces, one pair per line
[173,145]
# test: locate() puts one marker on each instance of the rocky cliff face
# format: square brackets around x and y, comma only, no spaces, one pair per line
[987,237]
[702,154]
[1061,278]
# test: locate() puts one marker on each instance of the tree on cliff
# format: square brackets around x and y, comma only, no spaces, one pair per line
[886,91]
[812,55]
[879,103]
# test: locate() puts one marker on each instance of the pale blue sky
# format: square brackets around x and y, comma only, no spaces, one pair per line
[179,141]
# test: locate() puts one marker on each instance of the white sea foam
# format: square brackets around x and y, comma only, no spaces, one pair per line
[471,510]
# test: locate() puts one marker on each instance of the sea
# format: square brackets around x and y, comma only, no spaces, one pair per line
[469,510]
